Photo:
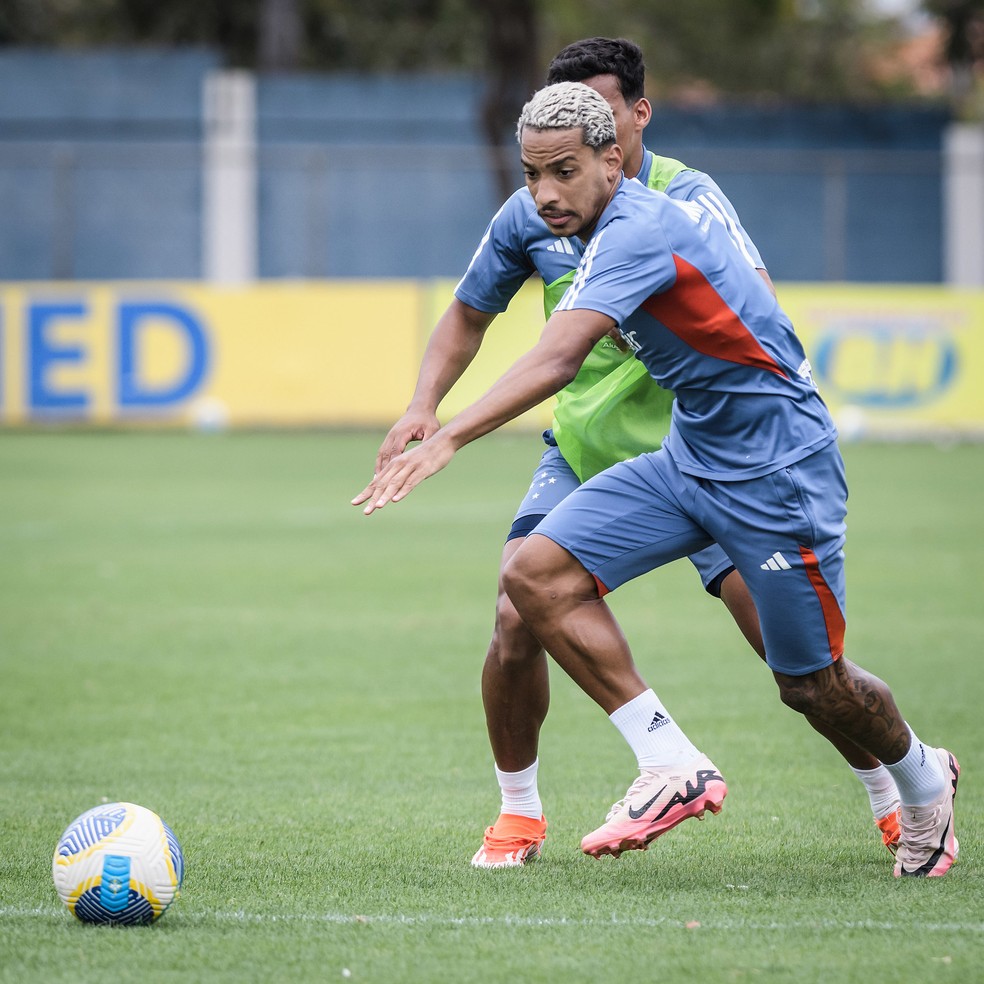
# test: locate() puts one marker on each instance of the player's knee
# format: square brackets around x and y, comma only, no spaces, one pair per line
[512,647]
[525,579]
[518,585]
[508,622]
[800,693]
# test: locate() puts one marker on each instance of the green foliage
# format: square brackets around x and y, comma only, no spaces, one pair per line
[768,48]
[203,624]
[374,35]
[393,35]
[781,49]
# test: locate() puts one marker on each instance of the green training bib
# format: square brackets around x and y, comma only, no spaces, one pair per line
[612,409]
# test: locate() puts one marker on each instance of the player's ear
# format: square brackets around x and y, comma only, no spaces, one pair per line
[613,157]
[642,113]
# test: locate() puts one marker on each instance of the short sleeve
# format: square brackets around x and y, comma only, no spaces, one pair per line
[501,264]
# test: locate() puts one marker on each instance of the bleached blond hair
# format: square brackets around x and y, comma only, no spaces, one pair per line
[569,106]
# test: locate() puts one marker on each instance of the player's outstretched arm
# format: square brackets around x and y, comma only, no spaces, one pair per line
[547,368]
[453,345]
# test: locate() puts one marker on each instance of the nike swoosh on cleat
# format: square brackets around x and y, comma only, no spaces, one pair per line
[636,814]
[925,868]
[704,776]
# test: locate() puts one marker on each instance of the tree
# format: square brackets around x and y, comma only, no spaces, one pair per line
[280,35]
[512,74]
[804,50]
[964,46]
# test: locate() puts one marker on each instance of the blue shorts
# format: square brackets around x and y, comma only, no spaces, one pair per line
[554,480]
[784,531]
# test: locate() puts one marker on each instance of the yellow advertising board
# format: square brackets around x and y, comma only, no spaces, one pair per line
[281,354]
[892,361]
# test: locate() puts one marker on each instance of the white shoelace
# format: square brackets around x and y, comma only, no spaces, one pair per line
[636,787]
[921,825]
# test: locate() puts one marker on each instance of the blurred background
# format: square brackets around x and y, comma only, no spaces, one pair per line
[213,210]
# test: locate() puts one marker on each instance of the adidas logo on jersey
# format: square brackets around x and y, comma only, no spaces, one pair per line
[563,245]
[776,563]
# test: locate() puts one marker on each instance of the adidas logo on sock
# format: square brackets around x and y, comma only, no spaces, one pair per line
[658,721]
[776,563]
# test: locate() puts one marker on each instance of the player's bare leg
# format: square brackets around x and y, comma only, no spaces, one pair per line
[516,695]
[560,602]
[738,600]
[860,706]
[853,702]
[515,683]
[878,783]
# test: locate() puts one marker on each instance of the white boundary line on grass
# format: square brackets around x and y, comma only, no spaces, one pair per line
[344,919]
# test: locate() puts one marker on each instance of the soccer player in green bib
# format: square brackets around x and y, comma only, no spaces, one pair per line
[610,412]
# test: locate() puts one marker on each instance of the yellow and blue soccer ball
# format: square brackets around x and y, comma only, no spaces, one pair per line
[118,864]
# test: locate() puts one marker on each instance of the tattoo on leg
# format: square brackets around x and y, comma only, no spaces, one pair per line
[857,704]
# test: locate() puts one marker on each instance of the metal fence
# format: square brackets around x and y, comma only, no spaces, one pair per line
[133,209]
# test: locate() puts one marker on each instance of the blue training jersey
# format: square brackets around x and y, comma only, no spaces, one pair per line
[707,327]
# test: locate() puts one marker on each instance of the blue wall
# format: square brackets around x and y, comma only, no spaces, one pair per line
[100,163]
[367,176]
[828,193]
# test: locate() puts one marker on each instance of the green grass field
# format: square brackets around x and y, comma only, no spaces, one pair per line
[202,624]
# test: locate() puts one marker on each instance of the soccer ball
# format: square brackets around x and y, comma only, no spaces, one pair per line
[118,864]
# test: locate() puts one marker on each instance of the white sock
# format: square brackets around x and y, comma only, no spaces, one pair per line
[651,733]
[882,791]
[919,775]
[520,796]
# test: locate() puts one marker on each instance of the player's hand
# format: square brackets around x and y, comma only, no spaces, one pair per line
[404,473]
[412,426]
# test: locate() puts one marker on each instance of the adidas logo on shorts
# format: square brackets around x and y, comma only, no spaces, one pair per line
[776,563]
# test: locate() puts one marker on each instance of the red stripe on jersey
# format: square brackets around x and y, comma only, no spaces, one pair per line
[833,617]
[697,314]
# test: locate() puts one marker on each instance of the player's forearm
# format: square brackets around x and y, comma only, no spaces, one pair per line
[545,370]
[453,345]
[532,379]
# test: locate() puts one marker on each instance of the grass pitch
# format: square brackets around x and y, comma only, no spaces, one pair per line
[203,625]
